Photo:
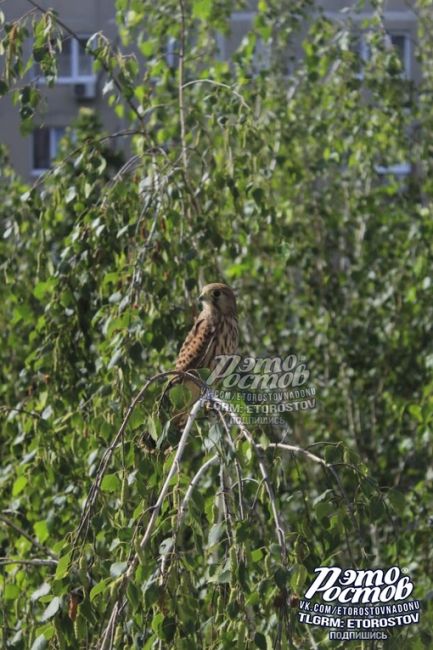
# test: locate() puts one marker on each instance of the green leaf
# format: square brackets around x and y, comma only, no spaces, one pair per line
[223,578]
[416,411]
[180,396]
[19,485]
[52,609]
[40,643]
[43,289]
[43,590]
[157,623]
[41,530]
[146,48]
[111,483]
[298,576]
[99,588]
[117,569]
[70,194]
[257,555]
[137,418]
[63,566]
[11,592]
[168,628]
[215,534]
[134,595]
[202,9]
[397,500]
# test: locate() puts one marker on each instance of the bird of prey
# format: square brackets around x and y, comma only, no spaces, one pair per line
[214,332]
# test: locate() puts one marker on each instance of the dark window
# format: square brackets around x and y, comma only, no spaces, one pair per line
[46,142]
[74,65]
[41,148]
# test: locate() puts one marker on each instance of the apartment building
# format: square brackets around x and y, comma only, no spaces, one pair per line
[79,86]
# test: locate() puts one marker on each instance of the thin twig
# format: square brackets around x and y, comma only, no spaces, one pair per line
[182,510]
[237,466]
[34,562]
[11,409]
[116,82]
[173,470]
[181,87]
[317,459]
[219,84]
[22,532]
[297,450]
[120,602]
[181,100]
[194,481]
[264,472]
[78,149]
[108,454]
[225,488]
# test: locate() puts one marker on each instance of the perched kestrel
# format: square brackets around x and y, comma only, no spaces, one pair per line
[214,332]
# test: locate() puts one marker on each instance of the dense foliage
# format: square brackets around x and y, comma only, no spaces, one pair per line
[270,182]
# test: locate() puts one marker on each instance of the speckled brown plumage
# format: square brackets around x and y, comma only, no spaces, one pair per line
[214,332]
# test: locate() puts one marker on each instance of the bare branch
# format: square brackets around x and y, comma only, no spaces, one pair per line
[264,472]
[297,450]
[108,454]
[219,84]
[317,459]
[181,87]
[194,481]
[33,562]
[237,466]
[120,602]
[17,409]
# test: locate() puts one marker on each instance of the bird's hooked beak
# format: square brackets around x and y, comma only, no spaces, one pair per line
[202,299]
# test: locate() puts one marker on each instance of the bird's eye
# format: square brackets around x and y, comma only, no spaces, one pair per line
[216,293]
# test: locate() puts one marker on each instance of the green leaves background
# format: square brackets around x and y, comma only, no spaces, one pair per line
[102,263]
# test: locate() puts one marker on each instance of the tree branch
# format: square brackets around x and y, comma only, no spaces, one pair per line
[317,459]
[120,602]
[34,562]
[193,484]
[181,87]
[22,532]
[108,454]
[263,470]
[218,84]
[116,82]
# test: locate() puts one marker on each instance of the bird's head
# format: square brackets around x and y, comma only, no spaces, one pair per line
[218,297]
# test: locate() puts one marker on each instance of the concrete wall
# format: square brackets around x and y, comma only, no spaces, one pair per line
[89,16]
[60,105]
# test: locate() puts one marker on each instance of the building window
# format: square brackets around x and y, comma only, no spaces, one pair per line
[46,142]
[401,44]
[399,41]
[75,65]
[262,56]
[172,52]
[400,169]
